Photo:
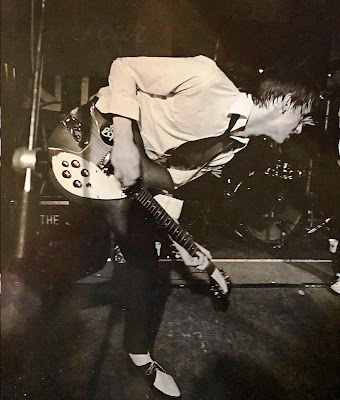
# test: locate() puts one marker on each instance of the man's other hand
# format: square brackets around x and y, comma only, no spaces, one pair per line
[200,261]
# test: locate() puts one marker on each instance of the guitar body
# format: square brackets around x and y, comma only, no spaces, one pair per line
[82,171]
[79,150]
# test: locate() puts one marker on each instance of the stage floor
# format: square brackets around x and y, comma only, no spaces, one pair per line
[275,341]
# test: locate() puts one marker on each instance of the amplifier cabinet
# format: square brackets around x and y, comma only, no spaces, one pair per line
[68,242]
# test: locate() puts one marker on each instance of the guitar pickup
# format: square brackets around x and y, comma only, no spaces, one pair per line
[74,126]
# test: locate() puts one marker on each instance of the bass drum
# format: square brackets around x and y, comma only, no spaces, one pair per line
[275,225]
[266,208]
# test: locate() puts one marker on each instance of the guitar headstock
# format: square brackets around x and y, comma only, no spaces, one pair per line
[219,297]
[216,289]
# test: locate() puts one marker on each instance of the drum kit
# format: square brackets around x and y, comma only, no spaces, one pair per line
[271,201]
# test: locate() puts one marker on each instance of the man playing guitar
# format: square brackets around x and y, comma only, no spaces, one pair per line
[175,101]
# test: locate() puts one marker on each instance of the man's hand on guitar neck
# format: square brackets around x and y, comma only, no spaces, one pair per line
[201,261]
[125,156]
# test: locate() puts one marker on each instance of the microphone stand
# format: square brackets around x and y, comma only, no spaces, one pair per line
[25,159]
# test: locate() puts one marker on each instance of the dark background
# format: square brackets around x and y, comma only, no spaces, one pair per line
[83,37]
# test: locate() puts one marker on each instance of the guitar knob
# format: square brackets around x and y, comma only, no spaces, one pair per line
[65,164]
[85,172]
[77,184]
[66,173]
[75,163]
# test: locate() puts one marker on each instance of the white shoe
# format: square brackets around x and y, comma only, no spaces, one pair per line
[157,377]
[335,285]
[163,382]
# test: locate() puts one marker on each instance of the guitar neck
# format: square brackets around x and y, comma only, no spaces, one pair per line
[172,227]
[183,238]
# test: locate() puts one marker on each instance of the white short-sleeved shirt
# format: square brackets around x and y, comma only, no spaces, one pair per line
[174,100]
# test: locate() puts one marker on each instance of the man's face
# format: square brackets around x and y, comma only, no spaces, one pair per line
[278,120]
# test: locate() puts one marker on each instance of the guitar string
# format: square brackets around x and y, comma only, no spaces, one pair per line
[99,147]
[148,201]
[152,207]
[145,196]
[157,211]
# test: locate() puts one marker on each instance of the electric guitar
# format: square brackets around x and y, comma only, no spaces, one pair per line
[80,150]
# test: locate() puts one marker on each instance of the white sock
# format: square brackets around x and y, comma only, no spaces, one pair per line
[140,359]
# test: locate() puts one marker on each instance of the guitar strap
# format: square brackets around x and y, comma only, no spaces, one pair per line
[194,154]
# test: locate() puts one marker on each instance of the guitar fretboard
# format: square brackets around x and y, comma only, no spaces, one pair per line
[171,226]
[182,237]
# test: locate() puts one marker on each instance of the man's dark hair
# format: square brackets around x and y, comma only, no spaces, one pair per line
[275,84]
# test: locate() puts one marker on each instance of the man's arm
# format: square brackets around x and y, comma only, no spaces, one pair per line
[125,156]
[158,76]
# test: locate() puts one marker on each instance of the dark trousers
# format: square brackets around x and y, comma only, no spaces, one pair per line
[144,286]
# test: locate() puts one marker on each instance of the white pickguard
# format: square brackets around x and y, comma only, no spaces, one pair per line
[84,179]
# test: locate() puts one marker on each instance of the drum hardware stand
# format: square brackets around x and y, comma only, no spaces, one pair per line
[283,233]
[311,219]
[320,226]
